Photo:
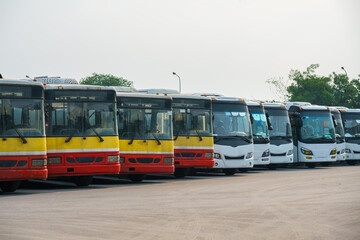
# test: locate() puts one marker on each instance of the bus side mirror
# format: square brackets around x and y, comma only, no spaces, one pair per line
[334,120]
[270,127]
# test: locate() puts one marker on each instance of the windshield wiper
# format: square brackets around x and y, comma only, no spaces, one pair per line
[158,141]
[20,135]
[97,134]
[177,135]
[71,136]
[131,140]
[246,139]
[199,135]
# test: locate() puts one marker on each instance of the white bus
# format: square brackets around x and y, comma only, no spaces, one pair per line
[281,144]
[340,134]
[351,120]
[260,130]
[233,141]
[313,134]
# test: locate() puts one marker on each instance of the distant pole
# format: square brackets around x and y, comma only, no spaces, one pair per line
[174,73]
[345,72]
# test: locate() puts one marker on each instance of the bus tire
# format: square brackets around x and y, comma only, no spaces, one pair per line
[351,162]
[181,172]
[229,171]
[243,170]
[325,164]
[9,186]
[82,181]
[136,178]
[311,165]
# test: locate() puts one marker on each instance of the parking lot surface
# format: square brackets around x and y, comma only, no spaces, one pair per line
[292,203]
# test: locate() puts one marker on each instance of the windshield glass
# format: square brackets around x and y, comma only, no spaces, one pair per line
[231,120]
[192,122]
[317,126]
[145,124]
[24,116]
[280,123]
[339,129]
[351,125]
[259,125]
[80,118]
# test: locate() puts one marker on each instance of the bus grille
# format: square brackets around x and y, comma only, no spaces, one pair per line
[277,154]
[188,154]
[234,158]
[144,160]
[85,159]
[8,163]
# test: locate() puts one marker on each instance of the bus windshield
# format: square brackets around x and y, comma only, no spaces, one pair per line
[145,124]
[231,120]
[259,125]
[192,122]
[339,129]
[21,117]
[280,124]
[317,126]
[351,125]
[80,118]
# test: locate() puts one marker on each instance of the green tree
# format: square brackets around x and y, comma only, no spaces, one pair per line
[308,87]
[105,80]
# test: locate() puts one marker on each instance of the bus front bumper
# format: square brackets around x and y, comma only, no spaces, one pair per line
[14,175]
[83,170]
[150,169]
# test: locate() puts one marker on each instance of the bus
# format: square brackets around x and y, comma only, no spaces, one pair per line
[340,134]
[145,134]
[260,129]
[313,135]
[233,140]
[281,144]
[192,130]
[351,121]
[22,131]
[81,130]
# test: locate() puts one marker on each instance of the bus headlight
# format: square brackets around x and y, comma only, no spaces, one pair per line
[113,158]
[306,151]
[54,160]
[209,155]
[249,155]
[38,162]
[266,153]
[347,150]
[332,152]
[169,160]
[217,156]
[122,159]
[290,152]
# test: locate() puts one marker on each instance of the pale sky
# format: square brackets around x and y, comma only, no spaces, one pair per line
[229,47]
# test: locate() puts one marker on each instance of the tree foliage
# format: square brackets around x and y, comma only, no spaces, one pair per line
[307,86]
[105,80]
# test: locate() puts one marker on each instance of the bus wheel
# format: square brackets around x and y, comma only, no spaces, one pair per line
[82,181]
[351,162]
[243,170]
[229,171]
[9,186]
[311,165]
[136,178]
[181,172]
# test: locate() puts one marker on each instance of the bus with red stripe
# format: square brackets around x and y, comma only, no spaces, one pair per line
[23,145]
[81,132]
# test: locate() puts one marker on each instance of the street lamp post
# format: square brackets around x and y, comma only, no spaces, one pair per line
[345,72]
[174,73]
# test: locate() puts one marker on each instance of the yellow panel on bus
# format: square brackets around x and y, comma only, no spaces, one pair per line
[149,146]
[15,146]
[193,141]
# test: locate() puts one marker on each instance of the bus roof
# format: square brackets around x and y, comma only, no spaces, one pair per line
[77,87]
[189,96]
[141,95]
[350,110]
[124,89]
[253,103]
[6,81]
[56,80]
[158,91]
[274,105]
